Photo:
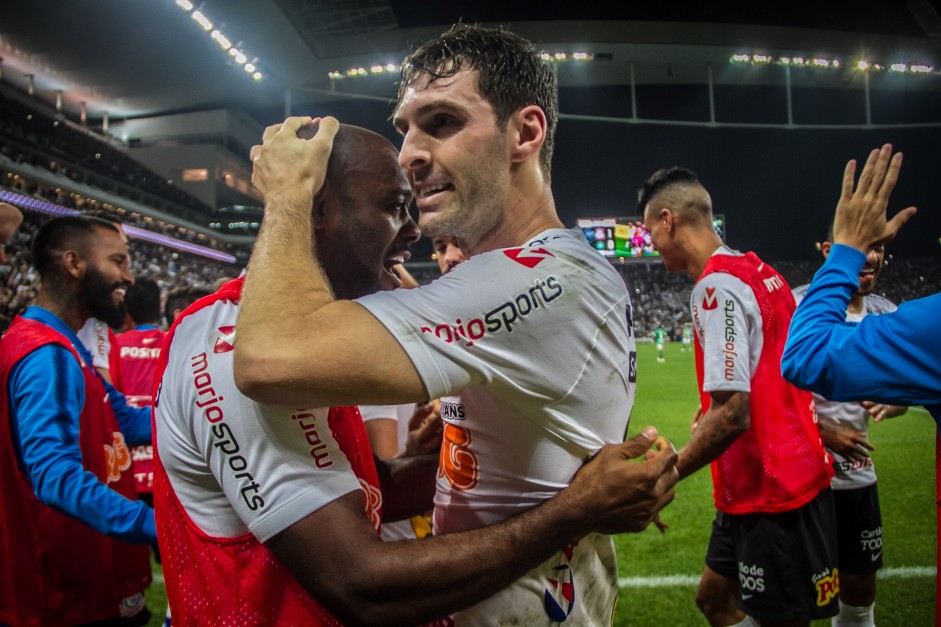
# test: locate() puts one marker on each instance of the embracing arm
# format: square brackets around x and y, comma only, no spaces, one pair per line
[372,582]
[728,418]
[296,345]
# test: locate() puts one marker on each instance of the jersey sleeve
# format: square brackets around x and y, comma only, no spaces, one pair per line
[47,410]
[234,464]
[730,333]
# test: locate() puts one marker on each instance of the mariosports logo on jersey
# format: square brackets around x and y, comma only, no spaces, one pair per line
[222,339]
[504,316]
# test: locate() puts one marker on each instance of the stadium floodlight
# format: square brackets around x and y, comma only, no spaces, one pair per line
[202,20]
[186,5]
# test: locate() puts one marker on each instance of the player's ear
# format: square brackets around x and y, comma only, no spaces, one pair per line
[825,249]
[320,207]
[529,127]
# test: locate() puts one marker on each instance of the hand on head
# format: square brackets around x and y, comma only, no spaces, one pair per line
[860,219]
[287,166]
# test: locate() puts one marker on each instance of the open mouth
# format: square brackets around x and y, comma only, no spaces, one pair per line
[120,292]
[428,193]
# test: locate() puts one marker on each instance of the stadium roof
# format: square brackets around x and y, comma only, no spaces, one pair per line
[149,57]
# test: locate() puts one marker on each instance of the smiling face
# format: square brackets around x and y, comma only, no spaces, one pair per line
[362,224]
[107,276]
[455,156]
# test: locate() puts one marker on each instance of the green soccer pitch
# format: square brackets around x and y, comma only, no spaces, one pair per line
[659,572]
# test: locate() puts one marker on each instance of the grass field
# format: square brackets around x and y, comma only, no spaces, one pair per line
[659,572]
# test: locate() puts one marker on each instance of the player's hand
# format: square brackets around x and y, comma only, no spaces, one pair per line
[880,412]
[424,430]
[287,166]
[847,443]
[860,219]
[620,495]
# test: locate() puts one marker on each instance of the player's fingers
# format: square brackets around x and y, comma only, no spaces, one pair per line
[323,140]
[639,444]
[890,178]
[293,124]
[865,178]
[849,178]
[270,132]
[879,169]
[898,220]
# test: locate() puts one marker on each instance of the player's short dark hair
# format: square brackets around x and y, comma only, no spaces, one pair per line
[181,298]
[662,180]
[142,301]
[61,234]
[512,73]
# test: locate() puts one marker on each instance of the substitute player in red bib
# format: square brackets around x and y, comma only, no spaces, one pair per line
[134,357]
[773,542]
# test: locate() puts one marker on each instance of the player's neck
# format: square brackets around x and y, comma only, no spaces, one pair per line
[856,304]
[700,246]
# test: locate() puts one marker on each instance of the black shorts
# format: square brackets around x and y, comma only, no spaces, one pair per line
[859,530]
[786,564]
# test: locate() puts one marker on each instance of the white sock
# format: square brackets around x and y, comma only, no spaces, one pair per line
[747,622]
[855,616]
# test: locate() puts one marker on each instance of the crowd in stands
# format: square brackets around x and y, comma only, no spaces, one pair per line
[660,299]
[28,134]
[170,268]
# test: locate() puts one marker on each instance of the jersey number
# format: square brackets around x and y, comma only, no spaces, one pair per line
[458,463]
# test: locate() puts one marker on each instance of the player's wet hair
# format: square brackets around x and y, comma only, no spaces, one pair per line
[511,73]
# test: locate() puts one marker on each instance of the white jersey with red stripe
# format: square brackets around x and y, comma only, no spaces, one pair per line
[235,465]
[850,474]
[535,346]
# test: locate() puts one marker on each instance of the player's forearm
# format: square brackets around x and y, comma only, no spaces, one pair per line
[715,432]
[453,570]
[283,287]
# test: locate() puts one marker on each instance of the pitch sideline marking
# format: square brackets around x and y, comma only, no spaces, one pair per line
[903,572]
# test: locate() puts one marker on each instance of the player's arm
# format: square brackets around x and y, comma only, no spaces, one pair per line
[134,422]
[337,556]
[889,358]
[296,345]
[46,426]
[727,419]
[844,441]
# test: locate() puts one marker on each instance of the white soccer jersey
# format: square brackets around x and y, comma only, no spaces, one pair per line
[537,342]
[727,323]
[235,465]
[850,474]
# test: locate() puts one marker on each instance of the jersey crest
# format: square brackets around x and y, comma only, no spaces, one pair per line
[529,257]
[709,301]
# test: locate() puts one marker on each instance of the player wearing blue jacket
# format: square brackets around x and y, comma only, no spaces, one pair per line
[893,358]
